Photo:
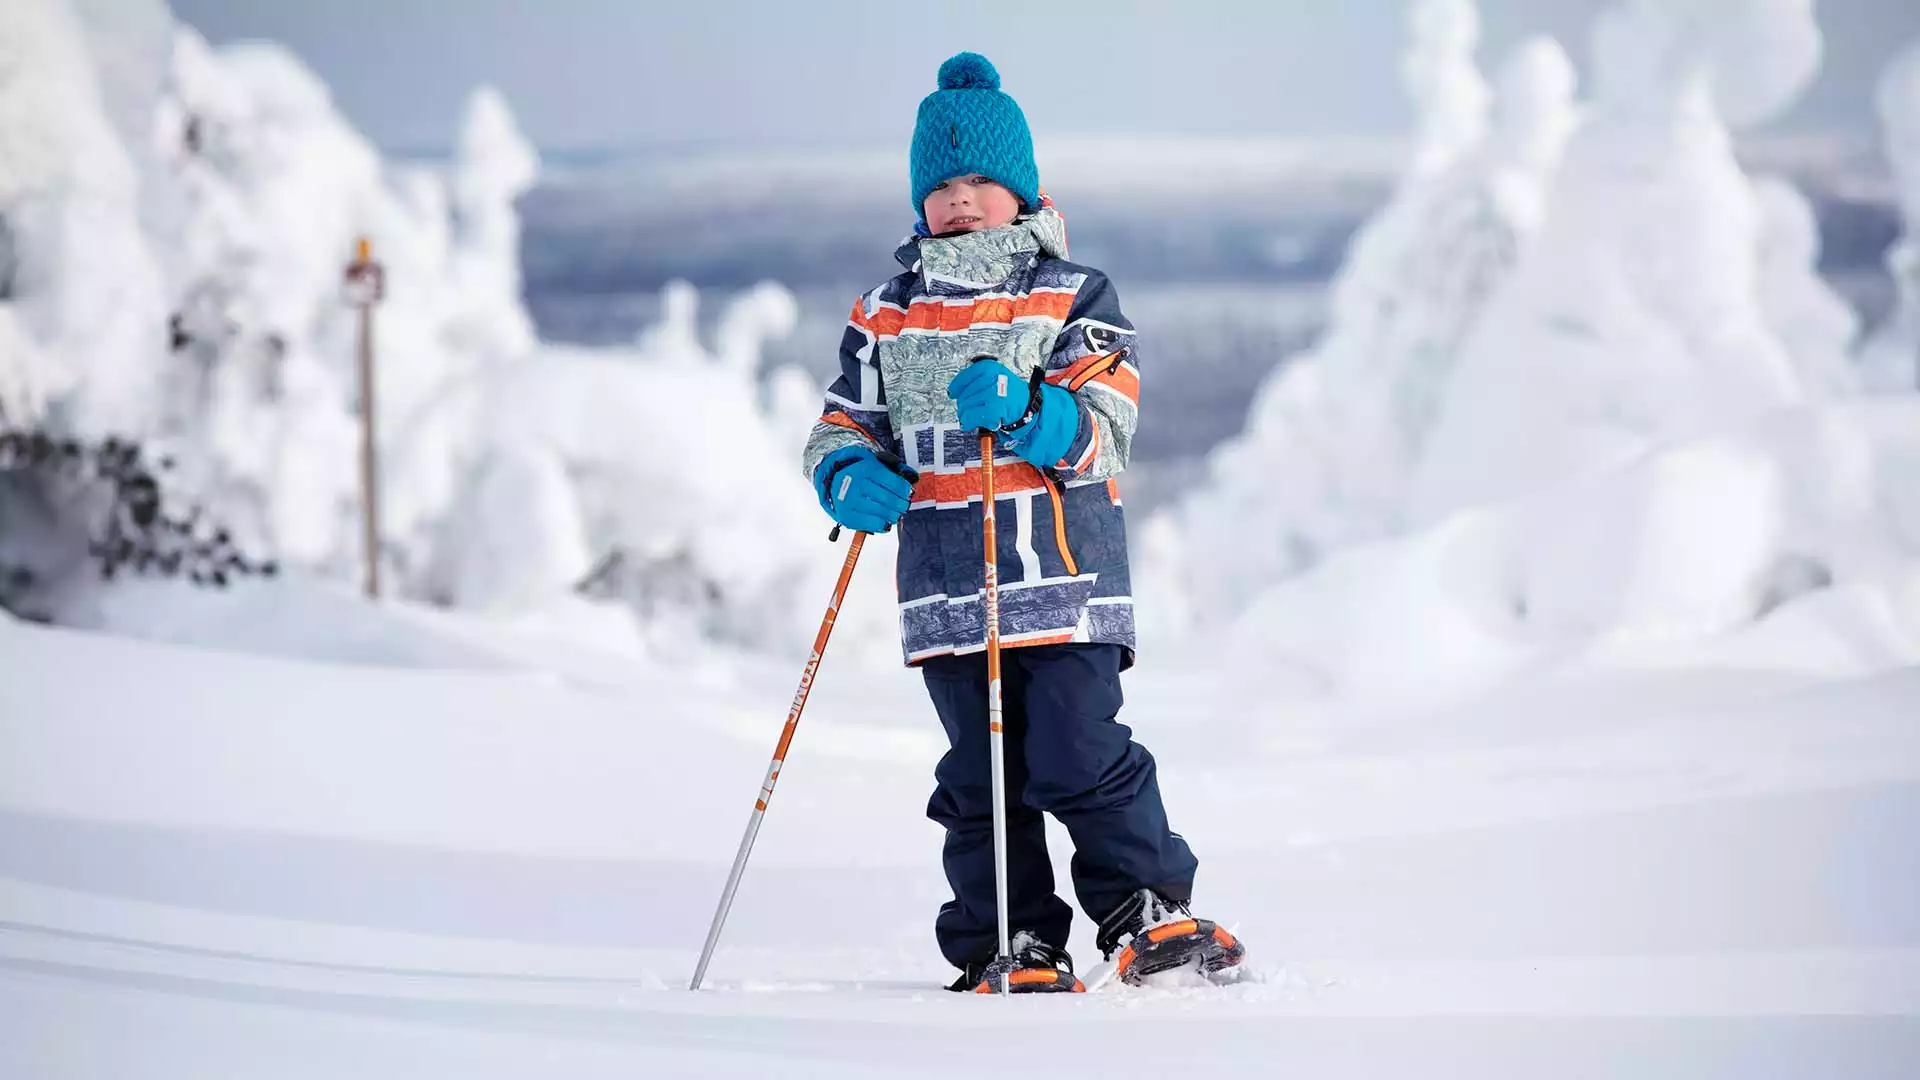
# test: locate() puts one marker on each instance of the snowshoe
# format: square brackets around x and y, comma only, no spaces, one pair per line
[1034,968]
[1149,933]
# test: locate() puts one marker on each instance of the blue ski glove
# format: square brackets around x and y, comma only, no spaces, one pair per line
[1043,440]
[988,395]
[860,492]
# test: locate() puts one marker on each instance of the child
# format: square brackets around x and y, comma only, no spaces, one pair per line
[987,275]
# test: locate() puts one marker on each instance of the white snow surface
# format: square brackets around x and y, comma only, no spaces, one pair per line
[494,853]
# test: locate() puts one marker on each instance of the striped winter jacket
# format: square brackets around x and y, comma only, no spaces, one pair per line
[1009,293]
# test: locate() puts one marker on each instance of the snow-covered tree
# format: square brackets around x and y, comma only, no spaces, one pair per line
[495,165]
[1332,437]
[174,222]
[1651,442]
[1635,318]
[81,318]
[1444,85]
[275,187]
[1891,359]
[515,539]
[1815,325]
[653,461]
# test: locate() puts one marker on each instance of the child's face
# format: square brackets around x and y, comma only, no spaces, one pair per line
[968,204]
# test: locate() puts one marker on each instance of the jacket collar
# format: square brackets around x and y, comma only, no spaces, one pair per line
[984,259]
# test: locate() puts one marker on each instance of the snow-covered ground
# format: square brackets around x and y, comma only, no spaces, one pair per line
[481,864]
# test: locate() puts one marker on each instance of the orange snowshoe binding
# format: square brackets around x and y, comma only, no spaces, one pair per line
[1148,933]
[1034,968]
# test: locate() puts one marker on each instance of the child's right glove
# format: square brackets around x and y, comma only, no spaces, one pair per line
[860,492]
[1034,418]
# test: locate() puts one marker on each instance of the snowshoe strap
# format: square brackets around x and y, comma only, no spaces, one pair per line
[1143,909]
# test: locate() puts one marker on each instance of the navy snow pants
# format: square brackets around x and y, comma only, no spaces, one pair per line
[1066,755]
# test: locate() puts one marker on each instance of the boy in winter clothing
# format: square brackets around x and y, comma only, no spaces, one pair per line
[987,276]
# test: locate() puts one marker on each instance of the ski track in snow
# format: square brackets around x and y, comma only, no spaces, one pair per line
[215,864]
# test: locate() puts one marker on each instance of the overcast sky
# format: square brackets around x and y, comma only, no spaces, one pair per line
[584,74]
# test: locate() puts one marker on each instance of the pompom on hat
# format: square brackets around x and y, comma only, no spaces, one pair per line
[970,126]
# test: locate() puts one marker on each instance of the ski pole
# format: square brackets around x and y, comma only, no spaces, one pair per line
[995,738]
[996,743]
[786,734]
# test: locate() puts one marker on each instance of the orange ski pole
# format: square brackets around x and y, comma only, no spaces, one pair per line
[786,734]
[779,757]
[1003,961]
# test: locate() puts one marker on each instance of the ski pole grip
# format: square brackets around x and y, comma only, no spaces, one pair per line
[976,360]
[892,461]
[1034,381]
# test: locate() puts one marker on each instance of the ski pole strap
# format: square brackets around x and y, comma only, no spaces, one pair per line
[892,461]
[1034,382]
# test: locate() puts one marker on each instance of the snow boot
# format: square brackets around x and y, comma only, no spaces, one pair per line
[1037,968]
[1148,933]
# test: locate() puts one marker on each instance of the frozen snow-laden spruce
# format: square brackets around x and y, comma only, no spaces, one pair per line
[1814,324]
[518,540]
[1635,317]
[1332,437]
[1644,442]
[275,186]
[81,307]
[80,297]
[174,219]
[693,557]
[1443,83]
[495,166]
[470,402]
[1891,359]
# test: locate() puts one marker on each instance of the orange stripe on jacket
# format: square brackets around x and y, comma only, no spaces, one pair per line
[938,315]
[1052,305]
[1009,478]
[840,419]
[1124,379]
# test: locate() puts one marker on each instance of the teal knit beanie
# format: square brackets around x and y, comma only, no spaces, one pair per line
[970,126]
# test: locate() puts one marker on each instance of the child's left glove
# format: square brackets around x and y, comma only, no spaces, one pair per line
[989,396]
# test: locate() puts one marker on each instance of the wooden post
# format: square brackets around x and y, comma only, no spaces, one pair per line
[365,285]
